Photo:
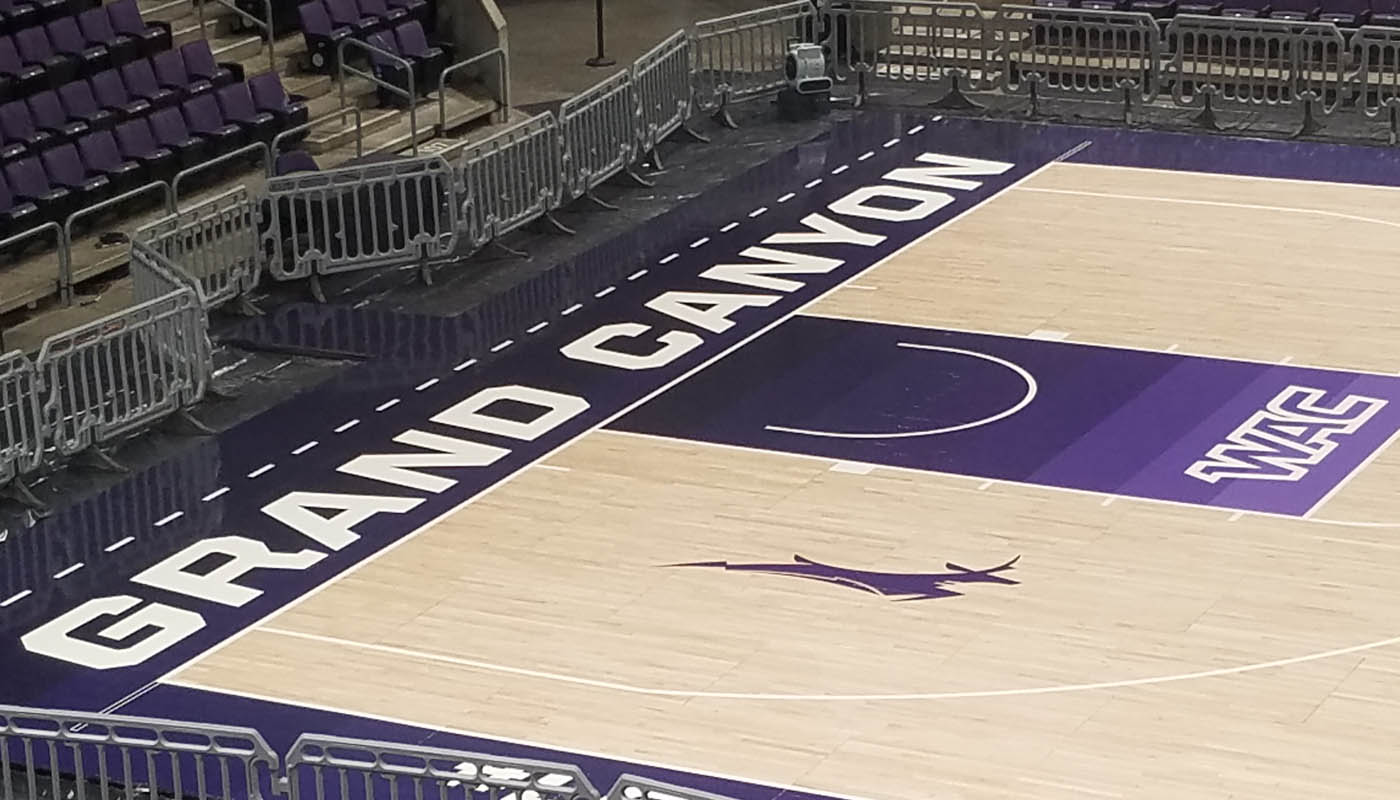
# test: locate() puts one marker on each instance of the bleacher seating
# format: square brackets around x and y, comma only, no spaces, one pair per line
[409,42]
[1343,13]
[325,23]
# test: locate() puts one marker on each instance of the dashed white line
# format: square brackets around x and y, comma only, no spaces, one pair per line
[1285,359]
[384,406]
[984,485]
[428,384]
[812,184]
[860,286]
[503,345]
[758,212]
[1236,515]
[15,598]
[265,468]
[840,169]
[553,468]
[727,228]
[65,573]
[1108,501]
[914,130]
[309,445]
[538,326]
[1172,349]
[639,273]
[169,518]
[605,292]
[669,259]
[119,544]
[469,362]
[701,242]
[347,426]
[787,197]
[217,493]
[866,154]
[571,309]
[890,143]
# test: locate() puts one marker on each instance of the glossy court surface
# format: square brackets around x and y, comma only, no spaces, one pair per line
[933,458]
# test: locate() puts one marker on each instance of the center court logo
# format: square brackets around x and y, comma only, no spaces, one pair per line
[896,585]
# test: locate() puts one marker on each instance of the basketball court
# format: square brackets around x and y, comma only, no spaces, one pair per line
[1075,484]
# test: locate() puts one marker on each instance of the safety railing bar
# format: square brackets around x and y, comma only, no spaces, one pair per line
[411,95]
[502,83]
[339,115]
[214,162]
[66,244]
[266,26]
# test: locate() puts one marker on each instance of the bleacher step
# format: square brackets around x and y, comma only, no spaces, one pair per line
[329,137]
[165,11]
[462,107]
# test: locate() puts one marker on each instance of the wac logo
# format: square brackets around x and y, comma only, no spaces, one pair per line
[896,585]
[1281,441]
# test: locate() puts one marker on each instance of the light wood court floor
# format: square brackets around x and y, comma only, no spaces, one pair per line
[1149,650]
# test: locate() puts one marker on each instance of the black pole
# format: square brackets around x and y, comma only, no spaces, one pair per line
[601,59]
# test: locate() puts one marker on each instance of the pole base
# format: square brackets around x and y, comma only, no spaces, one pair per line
[600,61]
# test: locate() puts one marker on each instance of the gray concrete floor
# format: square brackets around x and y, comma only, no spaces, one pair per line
[551,39]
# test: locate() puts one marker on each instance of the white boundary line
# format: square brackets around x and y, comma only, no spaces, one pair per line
[1366,462]
[568,751]
[372,557]
[1213,203]
[1236,177]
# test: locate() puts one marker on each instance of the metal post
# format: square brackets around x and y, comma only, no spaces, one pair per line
[601,59]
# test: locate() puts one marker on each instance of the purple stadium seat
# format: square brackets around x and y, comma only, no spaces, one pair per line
[170,73]
[48,114]
[65,169]
[344,14]
[24,79]
[29,183]
[295,161]
[1161,9]
[136,143]
[67,39]
[80,103]
[96,28]
[170,131]
[1207,7]
[236,104]
[415,8]
[17,125]
[16,216]
[111,93]
[322,37]
[17,14]
[389,70]
[428,61]
[207,122]
[1346,13]
[101,157]
[126,19]
[34,48]
[269,96]
[140,81]
[1295,9]
[382,11]
[1246,8]
[200,64]
[10,150]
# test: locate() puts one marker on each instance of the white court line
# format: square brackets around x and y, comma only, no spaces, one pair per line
[464,365]
[1366,462]
[571,309]
[861,287]
[812,184]
[69,571]
[1213,203]
[312,444]
[119,544]
[1250,178]
[605,292]
[985,485]
[761,210]
[169,518]
[727,228]
[639,273]
[628,688]
[261,470]
[786,197]
[384,406]
[372,557]
[503,345]
[428,384]
[16,597]
[223,490]
[347,426]
[553,468]
[669,259]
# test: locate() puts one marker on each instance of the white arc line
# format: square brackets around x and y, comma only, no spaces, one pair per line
[1031,389]
[904,696]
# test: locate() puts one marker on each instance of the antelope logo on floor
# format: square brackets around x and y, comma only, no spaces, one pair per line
[896,585]
[1282,440]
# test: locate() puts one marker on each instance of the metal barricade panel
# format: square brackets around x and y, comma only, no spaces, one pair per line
[361,217]
[1376,53]
[510,179]
[1256,61]
[21,429]
[662,87]
[216,243]
[598,134]
[635,787]
[743,55]
[913,42]
[1076,52]
[335,768]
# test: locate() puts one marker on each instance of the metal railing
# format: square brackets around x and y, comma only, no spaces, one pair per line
[260,148]
[502,82]
[269,36]
[1376,52]
[662,90]
[338,115]
[21,430]
[510,179]
[952,45]
[742,55]
[598,134]
[216,243]
[66,275]
[405,68]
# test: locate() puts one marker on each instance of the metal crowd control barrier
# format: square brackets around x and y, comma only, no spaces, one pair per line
[130,369]
[1256,62]
[334,768]
[66,244]
[215,243]
[510,179]
[742,56]
[1079,52]
[663,92]
[918,42]
[361,217]
[338,115]
[634,787]
[404,67]
[21,429]
[599,134]
[117,756]
[1376,52]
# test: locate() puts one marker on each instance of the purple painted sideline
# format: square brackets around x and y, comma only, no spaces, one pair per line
[281,723]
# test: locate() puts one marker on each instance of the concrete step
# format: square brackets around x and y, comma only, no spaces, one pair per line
[166,10]
[309,85]
[462,107]
[332,136]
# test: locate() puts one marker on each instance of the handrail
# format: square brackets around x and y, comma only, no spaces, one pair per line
[266,26]
[340,114]
[66,264]
[411,95]
[64,268]
[502,83]
[197,168]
